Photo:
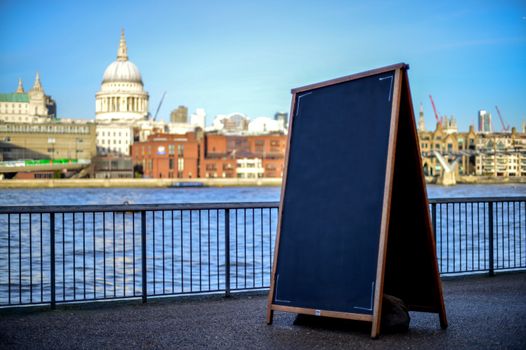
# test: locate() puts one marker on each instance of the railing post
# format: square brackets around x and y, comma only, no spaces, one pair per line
[490,238]
[52,258]
[227,252]
[144,271]
[434,218]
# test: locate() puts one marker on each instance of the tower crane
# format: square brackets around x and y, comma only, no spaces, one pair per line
[159,106]
[435,110]
[505,127]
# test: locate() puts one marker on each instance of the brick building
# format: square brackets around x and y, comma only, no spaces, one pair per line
[168,155]
[211,155]
[250,156]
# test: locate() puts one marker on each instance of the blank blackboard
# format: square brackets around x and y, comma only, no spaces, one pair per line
[352,161]
[332,205]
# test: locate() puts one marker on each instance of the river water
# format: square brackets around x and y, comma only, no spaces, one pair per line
[85,196]
[98,255]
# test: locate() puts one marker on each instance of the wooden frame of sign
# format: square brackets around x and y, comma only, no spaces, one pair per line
[368,234]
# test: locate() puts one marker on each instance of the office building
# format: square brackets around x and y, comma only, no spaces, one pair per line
[283,117]
[114,138]
[47,141]
[484,119]
[179,115]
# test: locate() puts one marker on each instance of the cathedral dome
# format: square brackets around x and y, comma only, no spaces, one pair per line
[122,70]
[121,96]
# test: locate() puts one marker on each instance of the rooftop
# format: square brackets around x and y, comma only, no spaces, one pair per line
[14,97]
[483,312]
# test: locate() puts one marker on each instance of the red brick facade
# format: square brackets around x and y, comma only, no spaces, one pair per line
[168,156]
[210,155]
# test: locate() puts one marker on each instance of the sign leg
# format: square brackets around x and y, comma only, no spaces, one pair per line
[443,318]
[375,333]
[270,315]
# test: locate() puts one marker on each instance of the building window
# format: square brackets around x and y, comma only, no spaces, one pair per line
[171,150]
[180,150]
[180,164]
[171,164]
[260,146]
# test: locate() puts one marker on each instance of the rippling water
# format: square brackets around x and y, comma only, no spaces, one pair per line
[84,196]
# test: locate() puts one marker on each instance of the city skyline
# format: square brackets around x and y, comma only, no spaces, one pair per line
[238,57]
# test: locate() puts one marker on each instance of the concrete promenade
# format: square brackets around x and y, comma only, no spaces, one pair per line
[483,313]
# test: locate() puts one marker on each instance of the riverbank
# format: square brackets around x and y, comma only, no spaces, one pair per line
[221,182]
[137,183]
[482,180]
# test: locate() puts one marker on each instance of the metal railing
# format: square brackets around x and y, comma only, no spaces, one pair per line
[65,254]
[479,234]
[62,254]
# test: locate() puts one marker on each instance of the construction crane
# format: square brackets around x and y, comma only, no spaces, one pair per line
[159,106]
[435,110]
[505,127]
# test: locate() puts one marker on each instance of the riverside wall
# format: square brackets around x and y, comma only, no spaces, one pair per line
[218,182]
[144,183]
[482,180]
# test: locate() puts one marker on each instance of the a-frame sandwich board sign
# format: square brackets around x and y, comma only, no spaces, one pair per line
[353,220]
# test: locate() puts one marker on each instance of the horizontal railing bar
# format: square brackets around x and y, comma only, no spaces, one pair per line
[476,200]
[134,207]
[207,206]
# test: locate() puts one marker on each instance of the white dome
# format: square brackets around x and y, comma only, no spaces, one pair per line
[122,71]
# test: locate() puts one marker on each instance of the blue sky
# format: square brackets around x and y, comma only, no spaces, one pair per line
[245,56]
